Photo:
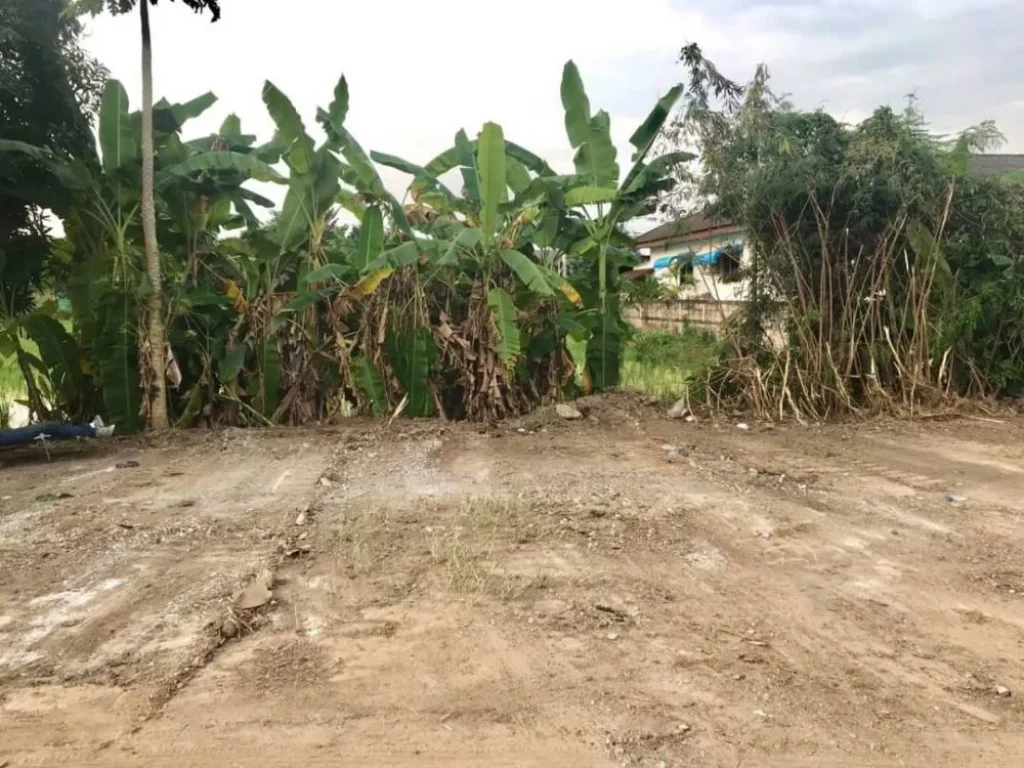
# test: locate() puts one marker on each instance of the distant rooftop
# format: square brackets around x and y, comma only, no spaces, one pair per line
[995,165]
[688,225]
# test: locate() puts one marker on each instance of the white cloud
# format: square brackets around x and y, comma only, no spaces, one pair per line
[418,71]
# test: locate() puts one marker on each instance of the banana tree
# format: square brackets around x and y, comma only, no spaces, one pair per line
[580,215]
[201,189]
[304,229]
[323,180]
[156,398]
[196,184]
[489,336]
[599,204]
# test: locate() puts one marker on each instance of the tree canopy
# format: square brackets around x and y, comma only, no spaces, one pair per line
[49,90]
[126,6]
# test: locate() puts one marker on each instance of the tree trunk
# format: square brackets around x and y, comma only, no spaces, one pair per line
[154,349]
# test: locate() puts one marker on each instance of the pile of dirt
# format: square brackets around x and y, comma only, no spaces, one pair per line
[616,408]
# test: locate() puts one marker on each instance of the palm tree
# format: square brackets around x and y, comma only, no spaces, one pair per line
[155,356]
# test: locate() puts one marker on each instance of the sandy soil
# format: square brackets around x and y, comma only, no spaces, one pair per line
[621,590]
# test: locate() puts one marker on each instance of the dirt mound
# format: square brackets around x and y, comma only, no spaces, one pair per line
[608,409]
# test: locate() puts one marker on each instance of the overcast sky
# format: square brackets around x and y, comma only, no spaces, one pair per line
[419,71]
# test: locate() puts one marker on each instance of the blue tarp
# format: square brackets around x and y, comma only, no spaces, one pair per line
[705,259]
[28,435]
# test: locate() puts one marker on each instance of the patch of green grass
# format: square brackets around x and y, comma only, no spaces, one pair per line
[12,385]
[664,364]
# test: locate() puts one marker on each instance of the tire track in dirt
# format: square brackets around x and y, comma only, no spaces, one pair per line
[576,595]
[167,556]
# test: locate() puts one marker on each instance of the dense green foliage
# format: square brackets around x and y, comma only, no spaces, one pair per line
[48,88]
[647,290]
[883,274]
[446,304]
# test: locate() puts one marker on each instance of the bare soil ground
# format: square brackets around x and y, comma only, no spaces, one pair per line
[620,590]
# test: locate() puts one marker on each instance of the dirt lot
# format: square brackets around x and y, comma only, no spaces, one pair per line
[619,590]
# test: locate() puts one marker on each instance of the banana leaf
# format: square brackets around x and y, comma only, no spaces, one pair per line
[369,180]
[326,272]
[516,175]
[61,358]
[589,196]
[370,383]
[269,361]
[333,118]
[400,256]
[643,138]
[366,286]
[529,272]
[596,158]
[371,238]
[589,136]
[231,129]
[423,179]
[449,159]
[493,189]
[118,141]
[221,161]
[412,355]
[503,311]
[468,167]
[290,129]
[643,175]
[310,197]
[230,364]
[116,360]
[170,118]
[576,106]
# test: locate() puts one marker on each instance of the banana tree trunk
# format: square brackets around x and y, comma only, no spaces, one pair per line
[155,354]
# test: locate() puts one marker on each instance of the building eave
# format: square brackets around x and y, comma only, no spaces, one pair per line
[697,235]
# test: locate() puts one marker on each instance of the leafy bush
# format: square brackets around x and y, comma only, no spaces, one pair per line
[883,277]
[646,290]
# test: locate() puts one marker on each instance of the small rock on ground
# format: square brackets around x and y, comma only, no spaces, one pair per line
[567,411]
[679,410]
[258,593]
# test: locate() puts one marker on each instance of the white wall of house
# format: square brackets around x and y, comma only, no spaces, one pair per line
[707,283]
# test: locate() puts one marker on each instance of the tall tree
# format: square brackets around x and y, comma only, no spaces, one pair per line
[49,87]
[155,359]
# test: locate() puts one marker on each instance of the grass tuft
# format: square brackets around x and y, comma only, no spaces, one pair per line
[664,364]
[470,550]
